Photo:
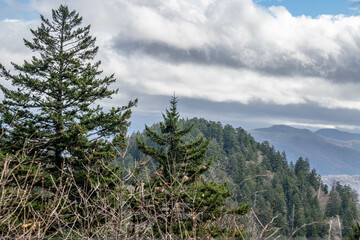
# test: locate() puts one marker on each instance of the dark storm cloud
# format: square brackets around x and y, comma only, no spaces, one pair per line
[309,112]
[165,52]
[343,68]
[248,116]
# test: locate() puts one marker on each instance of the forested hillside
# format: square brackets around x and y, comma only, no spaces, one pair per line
[288,196]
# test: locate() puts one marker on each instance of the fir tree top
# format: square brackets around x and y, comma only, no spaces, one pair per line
[177,160]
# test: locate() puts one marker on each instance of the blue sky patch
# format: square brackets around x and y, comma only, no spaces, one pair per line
[314,8]
[16,9]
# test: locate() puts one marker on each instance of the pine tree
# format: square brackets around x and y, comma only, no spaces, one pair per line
[355,234]
[180,168]
[52,111]
[179,160]
[333,206]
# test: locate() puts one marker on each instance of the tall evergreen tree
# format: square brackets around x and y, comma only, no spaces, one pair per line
[180,167]
[333,207]
[52,108]
[179,160]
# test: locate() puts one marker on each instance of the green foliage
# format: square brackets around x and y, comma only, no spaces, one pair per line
[51,111]
[180,165]
[343,203]
[355,235]
[263,178]
[179,160]
[333,207]
[50,117]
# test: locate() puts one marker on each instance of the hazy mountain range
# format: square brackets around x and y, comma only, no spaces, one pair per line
[335,154]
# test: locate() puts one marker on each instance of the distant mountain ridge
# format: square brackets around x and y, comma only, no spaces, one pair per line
[337,134]
[330,151]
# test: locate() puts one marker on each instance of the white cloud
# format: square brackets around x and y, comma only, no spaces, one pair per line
[219,50]
[223,84]
[12,33]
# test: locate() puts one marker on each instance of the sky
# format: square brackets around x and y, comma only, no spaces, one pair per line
[315,8]
[249,63]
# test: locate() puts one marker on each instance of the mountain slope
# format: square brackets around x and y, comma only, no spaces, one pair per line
[261,176]
[330,156]
[337,134]
[343,139]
